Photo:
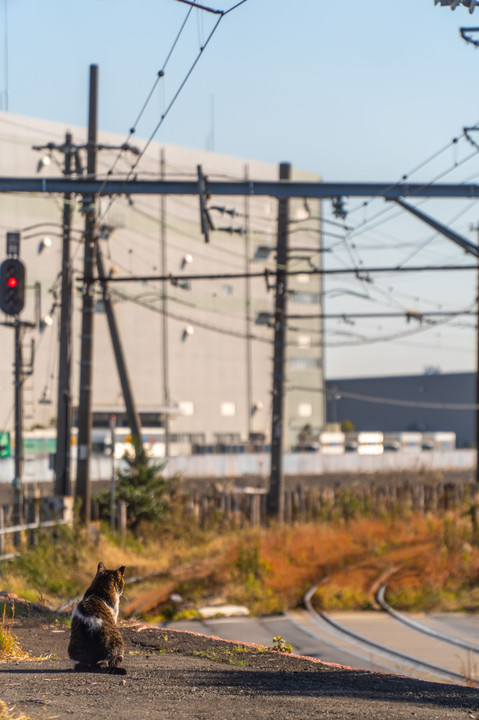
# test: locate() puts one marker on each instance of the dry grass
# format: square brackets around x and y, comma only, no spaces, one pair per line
[7,713]
[9,647]
[430,563]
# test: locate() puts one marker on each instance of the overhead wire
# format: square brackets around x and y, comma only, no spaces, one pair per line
[151,93]
[429,240]
[197,323]
[182,84]
[389,401]
[406,176]
[366,224]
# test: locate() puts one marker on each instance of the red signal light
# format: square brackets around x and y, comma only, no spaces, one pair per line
[12,286]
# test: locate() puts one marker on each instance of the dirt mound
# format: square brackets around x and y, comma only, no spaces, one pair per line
[180,674]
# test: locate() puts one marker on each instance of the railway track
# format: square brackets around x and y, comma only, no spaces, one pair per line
[388,640]
[365,639]
[422,626]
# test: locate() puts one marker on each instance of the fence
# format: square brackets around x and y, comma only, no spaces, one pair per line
[240,506]
[38,513]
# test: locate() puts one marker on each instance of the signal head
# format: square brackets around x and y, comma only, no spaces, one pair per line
[12,286]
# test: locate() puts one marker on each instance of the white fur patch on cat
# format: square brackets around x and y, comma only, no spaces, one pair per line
[92,622]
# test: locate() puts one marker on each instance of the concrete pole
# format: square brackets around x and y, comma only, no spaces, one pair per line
[83,489]
[275,499]
[63,485]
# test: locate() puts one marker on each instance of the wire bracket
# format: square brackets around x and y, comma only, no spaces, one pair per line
[205,218]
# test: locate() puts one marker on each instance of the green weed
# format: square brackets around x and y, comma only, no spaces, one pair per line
[280,645]
[332,597]
[223,657]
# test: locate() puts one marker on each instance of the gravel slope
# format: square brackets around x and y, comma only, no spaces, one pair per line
[179,674]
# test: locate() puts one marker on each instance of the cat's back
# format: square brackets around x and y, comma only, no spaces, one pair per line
[94,613]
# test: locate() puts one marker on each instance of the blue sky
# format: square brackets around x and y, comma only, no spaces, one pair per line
[353,90]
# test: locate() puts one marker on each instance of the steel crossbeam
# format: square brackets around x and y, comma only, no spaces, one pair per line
[274,188]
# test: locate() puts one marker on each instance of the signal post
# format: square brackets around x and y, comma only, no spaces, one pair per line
[12,300]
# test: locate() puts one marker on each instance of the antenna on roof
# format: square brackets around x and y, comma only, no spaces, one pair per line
[5,61]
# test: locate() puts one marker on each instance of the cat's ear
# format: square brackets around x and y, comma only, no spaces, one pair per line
[121,570]
[101,567]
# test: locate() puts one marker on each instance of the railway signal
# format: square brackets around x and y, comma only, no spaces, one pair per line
[12,286]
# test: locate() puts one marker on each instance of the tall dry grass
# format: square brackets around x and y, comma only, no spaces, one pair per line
[431,562]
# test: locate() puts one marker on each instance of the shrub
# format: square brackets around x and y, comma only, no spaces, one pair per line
[144,489]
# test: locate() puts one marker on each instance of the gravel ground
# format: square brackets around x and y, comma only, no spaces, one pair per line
[175,674]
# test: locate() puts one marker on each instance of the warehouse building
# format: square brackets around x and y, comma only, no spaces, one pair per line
[199,352]
[432,402]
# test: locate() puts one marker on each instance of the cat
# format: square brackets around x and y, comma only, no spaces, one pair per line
[96,643]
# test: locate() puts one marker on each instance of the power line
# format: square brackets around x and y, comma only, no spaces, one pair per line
[160,74]
[196,323]
[431,238]
[365,225]
[175,96]
[388,338]
[391,401]
[193,3]
[422,164]
[407,314]
[273,273]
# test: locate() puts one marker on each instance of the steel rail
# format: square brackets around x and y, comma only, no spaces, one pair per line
[421,626]
[354,650]
[408,660]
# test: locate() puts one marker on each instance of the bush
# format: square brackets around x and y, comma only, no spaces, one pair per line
[145,490]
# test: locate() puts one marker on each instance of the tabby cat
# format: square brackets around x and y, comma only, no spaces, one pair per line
[95,641]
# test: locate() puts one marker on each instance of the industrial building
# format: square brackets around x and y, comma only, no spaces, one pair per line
[198,352]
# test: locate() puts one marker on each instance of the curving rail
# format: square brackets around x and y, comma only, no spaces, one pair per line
[420,626]
[408,661]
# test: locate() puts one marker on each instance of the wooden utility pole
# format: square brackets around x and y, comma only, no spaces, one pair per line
[164,312]
[131,411]
[248,358]
[275,498]
[63,485]
[83,489]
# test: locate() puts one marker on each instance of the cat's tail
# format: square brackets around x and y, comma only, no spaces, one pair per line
[114,670]
[83,667]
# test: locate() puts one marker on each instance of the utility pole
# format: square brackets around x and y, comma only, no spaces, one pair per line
[322,325]
[112,423]
[63,485]
[477,371]
[247,250]
[164,310]
[133,417]
[83,489]
[476,414]
[275,498]
[72,163]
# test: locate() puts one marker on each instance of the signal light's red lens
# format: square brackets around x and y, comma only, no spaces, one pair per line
[12,282]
